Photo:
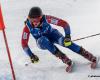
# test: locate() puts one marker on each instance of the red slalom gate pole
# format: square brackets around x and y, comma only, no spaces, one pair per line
[9,56]
[2,27]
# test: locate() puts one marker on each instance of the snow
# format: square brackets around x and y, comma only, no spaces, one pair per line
[83,17]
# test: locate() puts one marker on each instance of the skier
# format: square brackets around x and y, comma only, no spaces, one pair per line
[38,25]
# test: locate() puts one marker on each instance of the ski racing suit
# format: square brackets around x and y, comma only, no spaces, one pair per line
[45,35]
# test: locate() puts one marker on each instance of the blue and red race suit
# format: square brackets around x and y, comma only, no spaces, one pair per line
[45,35]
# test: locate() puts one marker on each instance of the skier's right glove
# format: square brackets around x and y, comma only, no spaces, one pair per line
[67,40]
[34,58]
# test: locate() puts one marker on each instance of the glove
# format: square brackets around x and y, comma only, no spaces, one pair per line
[67,40]
[34,58]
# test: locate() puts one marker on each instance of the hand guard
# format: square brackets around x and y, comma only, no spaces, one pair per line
[34,59]
[67,40]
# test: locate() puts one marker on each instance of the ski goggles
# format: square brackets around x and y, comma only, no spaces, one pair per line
[35,20]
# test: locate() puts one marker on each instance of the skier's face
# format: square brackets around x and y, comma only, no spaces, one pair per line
[35,21]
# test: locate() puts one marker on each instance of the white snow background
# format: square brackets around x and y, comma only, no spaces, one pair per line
[84,19]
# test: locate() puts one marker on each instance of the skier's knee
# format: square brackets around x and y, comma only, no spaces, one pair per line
[42,41]
[60,41]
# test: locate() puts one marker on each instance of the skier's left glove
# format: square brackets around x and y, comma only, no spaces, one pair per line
[34,59]
[67,41]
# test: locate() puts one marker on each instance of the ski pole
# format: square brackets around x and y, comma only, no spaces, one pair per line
[27,63]
[86,37]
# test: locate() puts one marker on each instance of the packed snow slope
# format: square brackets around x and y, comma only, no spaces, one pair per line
[84,19]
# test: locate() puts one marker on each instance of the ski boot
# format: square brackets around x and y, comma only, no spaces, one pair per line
[64,59]
[89,56]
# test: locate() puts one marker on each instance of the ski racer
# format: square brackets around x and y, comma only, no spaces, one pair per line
[38,25]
